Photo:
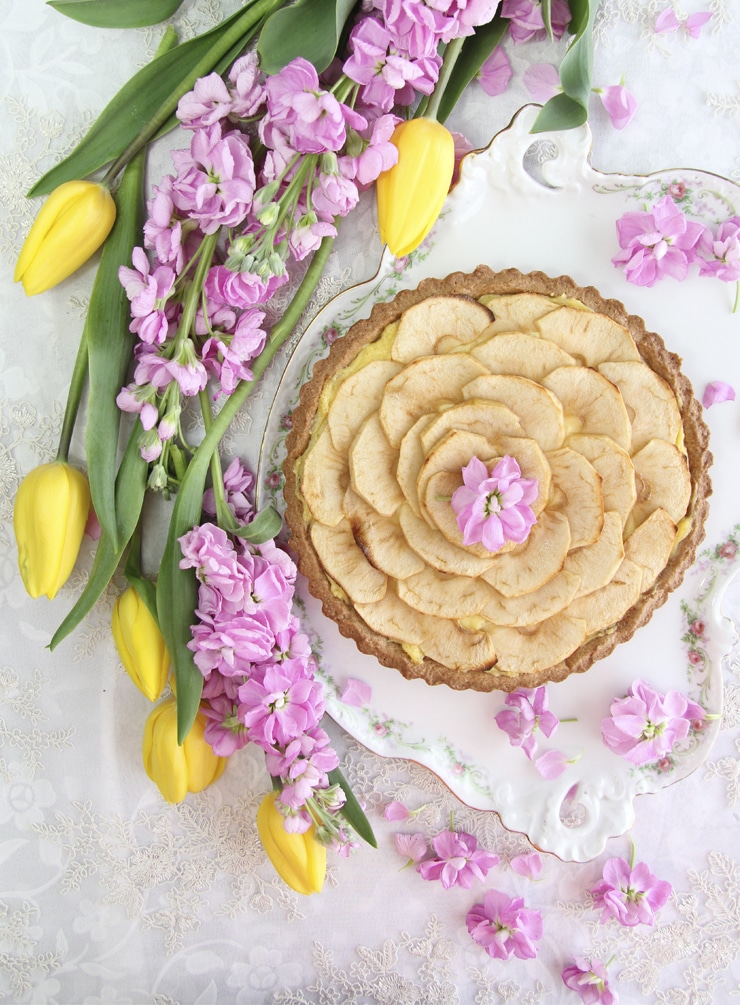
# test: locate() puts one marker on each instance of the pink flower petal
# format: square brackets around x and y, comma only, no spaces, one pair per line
[496,72]
[551,764]
[412,846]
[717,392]
[666,21]
[396,811]
[619,104]
[542,80]
[695,22]
[529,866]
[356,693]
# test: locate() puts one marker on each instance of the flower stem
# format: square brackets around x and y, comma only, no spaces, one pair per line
[224,516]
[77,384]
[737,297]
[206,250]
[449,59]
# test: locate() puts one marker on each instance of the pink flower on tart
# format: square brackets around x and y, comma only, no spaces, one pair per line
[630,893]
[493,508]
[645,725]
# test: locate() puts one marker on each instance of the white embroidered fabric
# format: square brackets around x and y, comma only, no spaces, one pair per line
[109,896]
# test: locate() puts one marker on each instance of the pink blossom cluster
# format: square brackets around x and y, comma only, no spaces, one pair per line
[493,508]
[663,241]
[257,665]
[222,230]
[394,50]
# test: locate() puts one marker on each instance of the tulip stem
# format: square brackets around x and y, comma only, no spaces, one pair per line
[452,51]
[76,387]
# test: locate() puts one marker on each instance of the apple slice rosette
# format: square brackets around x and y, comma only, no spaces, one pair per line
[526,381]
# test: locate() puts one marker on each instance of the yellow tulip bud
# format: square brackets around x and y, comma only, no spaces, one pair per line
[411,194]
[71,225]
[175,769]
[299,859]
[49,517]
[140,644]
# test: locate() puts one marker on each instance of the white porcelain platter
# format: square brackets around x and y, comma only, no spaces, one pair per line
[558,219]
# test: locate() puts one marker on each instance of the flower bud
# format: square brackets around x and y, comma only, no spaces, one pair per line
[178,769]
[49,517]
[411,193]
[71,225]
[299,859]
[140,644]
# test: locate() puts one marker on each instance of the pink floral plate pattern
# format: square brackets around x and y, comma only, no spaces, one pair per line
[558,217]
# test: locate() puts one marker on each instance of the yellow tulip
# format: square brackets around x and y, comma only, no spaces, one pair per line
[71,225]
[49,517]
[175,769]
[299,859]
[140,644]
[411,194]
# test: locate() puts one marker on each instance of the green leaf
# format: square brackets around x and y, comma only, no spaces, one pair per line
[265,526]
[308,28]
[116,13]
[130,489]
[570,109]
[109,344]
[145,105]
[475,51]
[352,811]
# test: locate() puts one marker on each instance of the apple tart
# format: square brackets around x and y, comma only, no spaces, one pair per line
[470,374]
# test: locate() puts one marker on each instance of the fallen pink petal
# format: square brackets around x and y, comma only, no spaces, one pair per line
[551,764]
[396,811]
[496,72]
[619,103]
[356,693]
[412,847]
[542,81]
[717,392]
[529,866]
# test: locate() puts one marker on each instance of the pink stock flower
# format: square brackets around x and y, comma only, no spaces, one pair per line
[630,894]
[280,704]
[388,75]
[658,243]
[542,80]
[494,508]
[247,93]
[356,693]
[527,712]
[208,102]
[458,860]
[721,252]
[215,181]
[223,730]
[619,104]
[527,21]
[412,847]
[371,155]
[717,392]
[505,927]
[496,72]
[589,978]
[239,484]
[148,292]
[668,20]
[529,866]
[646,725]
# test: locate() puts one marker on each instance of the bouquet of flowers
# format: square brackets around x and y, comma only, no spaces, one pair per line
[287,111]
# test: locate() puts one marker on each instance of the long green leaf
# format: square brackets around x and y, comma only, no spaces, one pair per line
[308,28]
[265,526]
[475,51]
[109,343]
[352,811]
[130,489]
[570,109]
[144,105]
[116,13]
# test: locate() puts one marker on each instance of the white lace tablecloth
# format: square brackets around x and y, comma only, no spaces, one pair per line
[109,895]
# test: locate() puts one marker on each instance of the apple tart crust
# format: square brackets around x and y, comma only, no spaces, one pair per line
[484,365]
